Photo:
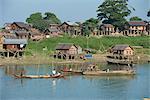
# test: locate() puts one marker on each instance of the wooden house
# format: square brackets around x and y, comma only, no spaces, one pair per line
[54,26]
[14,44]
[13,47]
[121,54]
[36,36]
[66,51]
[123,49]
[4,35]
[106,29]
[22,34]
[135,28]
[52,32]
[70,28]
[20,26]
[137,25]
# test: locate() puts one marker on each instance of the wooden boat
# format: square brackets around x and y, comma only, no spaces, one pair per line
[110,73]
[75,72]
[39,76]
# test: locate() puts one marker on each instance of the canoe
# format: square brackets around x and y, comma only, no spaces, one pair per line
[110,73]
[39,76]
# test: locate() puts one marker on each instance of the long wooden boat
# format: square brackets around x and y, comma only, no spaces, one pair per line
[110,73]
[39,76]
[74,72]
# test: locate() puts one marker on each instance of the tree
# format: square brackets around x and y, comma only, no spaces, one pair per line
[52,18]
[135,18]
[114,12]
[85,30]
[34,17]
[148,13]
[40,22]
[41,25]
[89,25]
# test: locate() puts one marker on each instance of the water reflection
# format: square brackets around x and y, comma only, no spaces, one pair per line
[47,69]
[74,86]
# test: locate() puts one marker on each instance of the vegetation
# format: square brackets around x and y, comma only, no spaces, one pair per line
[89,25]
[114,12]
[102,44]
[42,22]
[135,18]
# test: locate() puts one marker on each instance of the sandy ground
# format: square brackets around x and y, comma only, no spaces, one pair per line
[101,58]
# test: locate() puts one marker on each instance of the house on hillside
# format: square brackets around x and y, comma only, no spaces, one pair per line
[8,35]
[52,32]
[137,25]
[135,28]
[70,28]
[13,47]
[121,54]
[54,26]
[106,29]
[22,34]
[19,26]
[36,36]
[67,51]
[14,44]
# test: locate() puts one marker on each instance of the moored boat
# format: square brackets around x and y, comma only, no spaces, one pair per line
[75,72]
[39,76]
[110,73]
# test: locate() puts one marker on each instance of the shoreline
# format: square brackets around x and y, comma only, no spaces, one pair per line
[33,60]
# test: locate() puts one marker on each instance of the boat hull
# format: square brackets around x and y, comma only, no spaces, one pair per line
[39,76]
[110,73]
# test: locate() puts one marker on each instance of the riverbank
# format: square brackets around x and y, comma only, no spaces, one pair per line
[30,60]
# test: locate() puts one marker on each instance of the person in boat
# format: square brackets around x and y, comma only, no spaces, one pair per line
[21,73]
[58,73]
[70,69]
[54,72]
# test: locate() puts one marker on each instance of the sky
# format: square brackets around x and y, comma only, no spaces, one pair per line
[66,10]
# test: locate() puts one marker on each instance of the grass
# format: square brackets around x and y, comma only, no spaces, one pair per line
[102,43]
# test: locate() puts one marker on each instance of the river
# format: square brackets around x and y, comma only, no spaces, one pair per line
[76,87]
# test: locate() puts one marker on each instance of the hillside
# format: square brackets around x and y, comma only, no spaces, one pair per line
[101,43]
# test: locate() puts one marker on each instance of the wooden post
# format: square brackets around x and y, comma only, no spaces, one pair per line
[7,54]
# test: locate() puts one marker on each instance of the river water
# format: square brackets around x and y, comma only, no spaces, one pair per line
[73,87]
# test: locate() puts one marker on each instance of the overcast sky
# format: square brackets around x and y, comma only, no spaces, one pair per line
[66,10]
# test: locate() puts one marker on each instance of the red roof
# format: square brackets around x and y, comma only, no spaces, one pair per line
[137,23]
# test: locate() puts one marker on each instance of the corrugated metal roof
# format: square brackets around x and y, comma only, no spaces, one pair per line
[64,46]
[71,23]
[22,25]
[15,41]
[120,47]
[137,23]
